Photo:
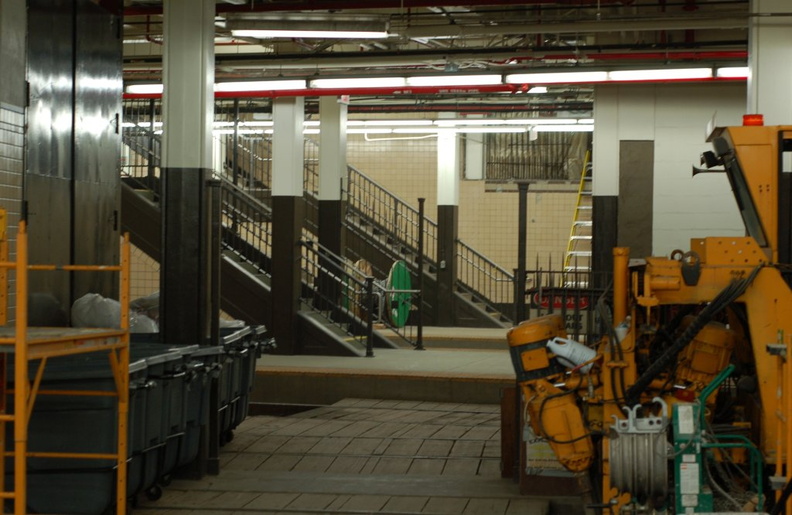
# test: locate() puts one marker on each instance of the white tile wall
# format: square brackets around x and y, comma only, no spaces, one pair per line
[675,117]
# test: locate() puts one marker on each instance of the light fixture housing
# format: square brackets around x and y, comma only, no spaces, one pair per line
[145,89]
[556,77]
[306,25]
[259,85]
[454,80]
[359,82]
[732,72]
[660,74]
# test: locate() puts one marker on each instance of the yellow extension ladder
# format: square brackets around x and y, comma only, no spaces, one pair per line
[578,252]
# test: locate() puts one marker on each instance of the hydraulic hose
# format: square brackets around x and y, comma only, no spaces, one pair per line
[780,506]
[720,302]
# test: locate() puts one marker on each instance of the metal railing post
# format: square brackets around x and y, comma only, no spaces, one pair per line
[235,152]
[522,238]
[419,336]
[370,324]
[151,145]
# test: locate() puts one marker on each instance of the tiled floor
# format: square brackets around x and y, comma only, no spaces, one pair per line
[362,456]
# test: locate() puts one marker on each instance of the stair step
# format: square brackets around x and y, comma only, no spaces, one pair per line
[583,237]
[586,208]
[584,223]
[584,253]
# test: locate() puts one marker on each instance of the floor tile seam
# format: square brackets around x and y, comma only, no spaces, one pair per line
[462,377]
[364,455]
[515,496]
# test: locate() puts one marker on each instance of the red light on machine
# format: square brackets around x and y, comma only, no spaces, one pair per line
[685,395]
[753,120]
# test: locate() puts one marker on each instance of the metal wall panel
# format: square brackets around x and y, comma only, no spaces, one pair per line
[49,141]
[97,145]
[50,72]
[13,20]
[49,214]
[73,139]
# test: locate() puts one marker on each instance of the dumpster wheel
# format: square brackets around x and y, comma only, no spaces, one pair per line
[154,493]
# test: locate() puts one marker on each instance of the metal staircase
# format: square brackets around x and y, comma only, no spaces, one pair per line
[381,227]
[578,253]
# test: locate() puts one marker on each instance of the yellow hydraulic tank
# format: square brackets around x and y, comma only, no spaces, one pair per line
[708,353]
[527,345]
[556,417]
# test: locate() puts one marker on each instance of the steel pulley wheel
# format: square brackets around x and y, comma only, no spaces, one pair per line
[399,302]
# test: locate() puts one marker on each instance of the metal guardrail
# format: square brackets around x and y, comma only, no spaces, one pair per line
[573,295]
[350,300]
[245,160]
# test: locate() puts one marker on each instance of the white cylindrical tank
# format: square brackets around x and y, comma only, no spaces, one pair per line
[571,353]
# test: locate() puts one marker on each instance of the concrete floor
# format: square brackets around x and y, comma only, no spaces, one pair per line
[362,456]
[458,365]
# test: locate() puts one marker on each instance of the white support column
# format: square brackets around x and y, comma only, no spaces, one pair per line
[332,147]
[447,226]
[287,146]
[189,296]
[474,157]
[188,78]
[447,169]
[770,77]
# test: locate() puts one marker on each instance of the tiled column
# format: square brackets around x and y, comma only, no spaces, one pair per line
[447,226]
[332,170]
[188,103]
[288,214]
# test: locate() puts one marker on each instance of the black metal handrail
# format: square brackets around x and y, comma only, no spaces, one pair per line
[485,280]
[247,160]
[345,297]
[572,295]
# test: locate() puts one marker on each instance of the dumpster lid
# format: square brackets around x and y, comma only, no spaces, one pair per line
[183,350]
[258,329]
[137,366]
[231,337]
[163,357]
[209,351]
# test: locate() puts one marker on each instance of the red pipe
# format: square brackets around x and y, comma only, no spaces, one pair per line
[330,5]
[337,92]
[693,55]
[405,91]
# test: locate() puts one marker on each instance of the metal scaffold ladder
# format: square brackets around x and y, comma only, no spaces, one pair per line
[578,252]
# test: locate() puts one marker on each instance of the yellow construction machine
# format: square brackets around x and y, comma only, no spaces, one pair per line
[684,405]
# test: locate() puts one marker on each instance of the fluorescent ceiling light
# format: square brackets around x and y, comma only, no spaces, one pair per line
[732,72]
[506,121]
[306,25]
[661,74]
[260,85]
[370,82]
[375,123]
[556,78]
[307,34]
[373,130]
[144,89]
[454,80]
[538,90]
[564,128]
[482,130]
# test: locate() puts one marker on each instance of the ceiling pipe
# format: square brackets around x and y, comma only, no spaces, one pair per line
[632,25]
[337,92]
[503,58]
[331,5]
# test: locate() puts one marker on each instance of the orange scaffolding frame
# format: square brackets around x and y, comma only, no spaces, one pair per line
[29,344]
